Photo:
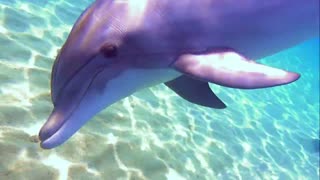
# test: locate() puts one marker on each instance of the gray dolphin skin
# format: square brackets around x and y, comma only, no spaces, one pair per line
[117,47]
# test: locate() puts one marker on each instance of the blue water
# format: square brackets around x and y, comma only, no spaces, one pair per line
[268,133]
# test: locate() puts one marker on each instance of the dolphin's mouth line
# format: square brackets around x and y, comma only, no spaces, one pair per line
[76,106]
[71,77]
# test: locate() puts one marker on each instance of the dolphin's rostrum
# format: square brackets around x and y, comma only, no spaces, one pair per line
[118,47]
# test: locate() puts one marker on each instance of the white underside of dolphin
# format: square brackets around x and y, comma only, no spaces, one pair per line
[118,47]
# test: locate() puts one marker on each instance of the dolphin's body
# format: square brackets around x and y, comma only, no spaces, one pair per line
[120,46]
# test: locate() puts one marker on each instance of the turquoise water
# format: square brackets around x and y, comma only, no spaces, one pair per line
[153,134]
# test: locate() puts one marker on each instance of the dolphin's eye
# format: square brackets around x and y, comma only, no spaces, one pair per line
[109,50]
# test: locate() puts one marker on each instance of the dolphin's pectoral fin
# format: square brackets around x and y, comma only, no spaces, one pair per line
[195,91]
[228,68]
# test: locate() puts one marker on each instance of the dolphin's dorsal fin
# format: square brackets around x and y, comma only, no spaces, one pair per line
[195,91]
[230,69]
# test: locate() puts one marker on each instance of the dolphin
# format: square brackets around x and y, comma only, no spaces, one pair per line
[118,47]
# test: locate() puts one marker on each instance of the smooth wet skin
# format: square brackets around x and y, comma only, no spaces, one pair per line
[118,47]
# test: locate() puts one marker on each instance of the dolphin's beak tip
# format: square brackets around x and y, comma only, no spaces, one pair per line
[44,133]
[52,125]
[41,135]
[44,146]
[47,130]
[53,133]
[45,141]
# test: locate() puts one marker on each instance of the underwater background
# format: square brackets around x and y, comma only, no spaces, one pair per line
[270,133]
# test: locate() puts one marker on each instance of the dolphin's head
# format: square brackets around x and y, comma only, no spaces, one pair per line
[94,69]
